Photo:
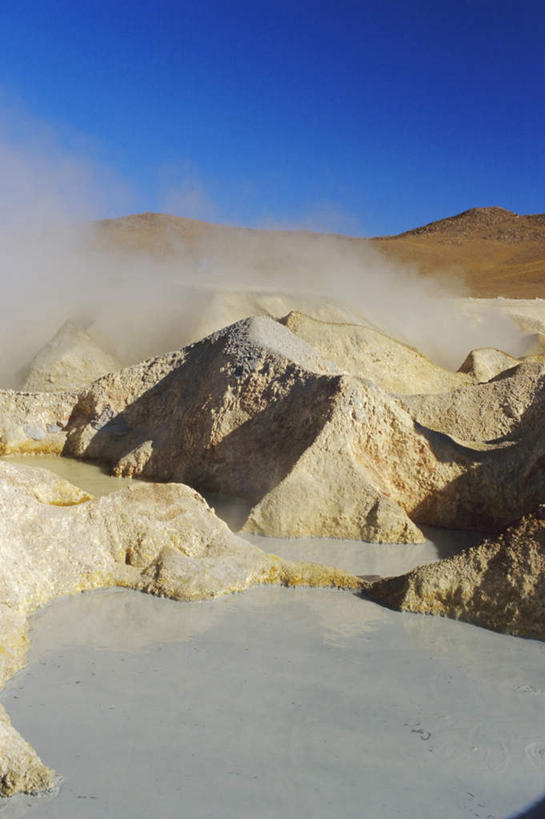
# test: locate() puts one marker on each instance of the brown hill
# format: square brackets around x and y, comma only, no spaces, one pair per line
[494,251]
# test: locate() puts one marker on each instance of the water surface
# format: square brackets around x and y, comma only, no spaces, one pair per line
[279,703]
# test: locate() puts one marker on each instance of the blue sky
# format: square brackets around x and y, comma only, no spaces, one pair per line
[363,117]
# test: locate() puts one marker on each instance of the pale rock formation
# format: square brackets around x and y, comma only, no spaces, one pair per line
[250,412]
[487,362]
[498,584]
[509,406]
[256,413]
[222,308]
[367,352]
[68,362]
[34,423]
[337,488]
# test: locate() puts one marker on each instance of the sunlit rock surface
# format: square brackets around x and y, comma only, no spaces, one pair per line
[511,405]
[486,363]
[68,362]
[255,412]
[498,584]
[367,352]
[163,539]
[34,423]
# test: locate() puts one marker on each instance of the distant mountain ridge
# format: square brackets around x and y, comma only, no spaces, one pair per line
[487,223]
[494,251]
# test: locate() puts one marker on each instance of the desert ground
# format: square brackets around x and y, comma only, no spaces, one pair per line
[223,526]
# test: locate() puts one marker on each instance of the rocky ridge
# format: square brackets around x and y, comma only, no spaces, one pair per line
[504,410]
[253,412]
[367,352]
[494,251]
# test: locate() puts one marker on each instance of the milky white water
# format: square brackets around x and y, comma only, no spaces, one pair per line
[279,703]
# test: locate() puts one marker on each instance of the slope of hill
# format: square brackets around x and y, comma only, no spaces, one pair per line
[494,251]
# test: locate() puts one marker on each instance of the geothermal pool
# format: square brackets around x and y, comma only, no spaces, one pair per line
[278,702]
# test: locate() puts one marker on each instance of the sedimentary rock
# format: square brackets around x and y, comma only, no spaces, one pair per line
[68,362]
[223,308]
[367,352]
[509,406]
[240,413]
[499,584]
[34,423]
[163,539]
[487,362]
[256,413]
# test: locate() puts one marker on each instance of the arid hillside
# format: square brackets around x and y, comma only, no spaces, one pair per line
[494,251]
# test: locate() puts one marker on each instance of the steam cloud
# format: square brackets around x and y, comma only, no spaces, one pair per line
[54,267]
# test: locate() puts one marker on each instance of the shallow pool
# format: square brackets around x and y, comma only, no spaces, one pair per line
[279,703]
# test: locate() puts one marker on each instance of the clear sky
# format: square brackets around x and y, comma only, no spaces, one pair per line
[367,117]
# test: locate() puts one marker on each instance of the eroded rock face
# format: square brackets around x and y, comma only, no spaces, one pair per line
[248,412]
[486,363]
[509,406]
[70,361]
[256,413]
[34,423]
[499,584]
[163,539]
[367,352]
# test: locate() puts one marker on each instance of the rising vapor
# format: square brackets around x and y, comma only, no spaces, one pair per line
[56,266]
